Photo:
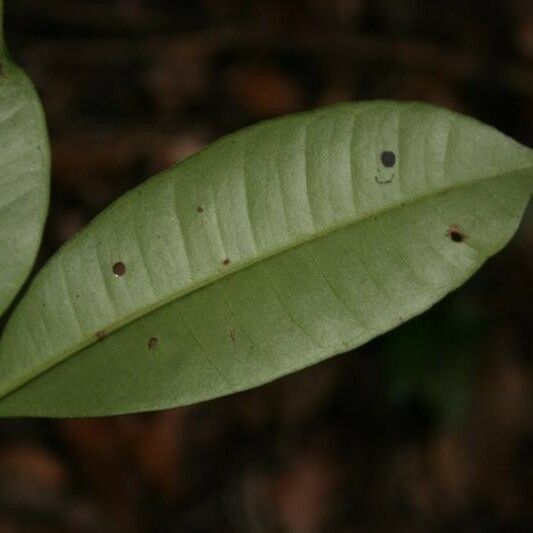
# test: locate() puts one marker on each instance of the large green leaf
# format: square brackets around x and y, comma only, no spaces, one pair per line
[270,250]
[24,176]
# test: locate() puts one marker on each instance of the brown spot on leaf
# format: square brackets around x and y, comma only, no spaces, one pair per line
[200,209]
[227,261]
[232,335]
[119,269]
[455,233]
[100,335]
[152,343]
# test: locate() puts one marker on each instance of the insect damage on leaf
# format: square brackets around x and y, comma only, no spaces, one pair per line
[455,233]
[119,269]
[388,158]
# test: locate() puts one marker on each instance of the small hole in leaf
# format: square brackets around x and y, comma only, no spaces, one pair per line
[227,261]
[152,343]
[119,269]
[388,158]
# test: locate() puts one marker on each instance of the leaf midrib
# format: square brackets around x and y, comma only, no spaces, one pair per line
[39,370]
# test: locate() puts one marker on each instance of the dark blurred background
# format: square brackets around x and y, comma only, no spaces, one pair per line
[426,429]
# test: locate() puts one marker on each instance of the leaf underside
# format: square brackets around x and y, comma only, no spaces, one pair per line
[24,177]
[272,249]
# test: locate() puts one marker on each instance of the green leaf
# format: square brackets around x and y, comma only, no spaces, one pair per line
[24,176]
[270,250]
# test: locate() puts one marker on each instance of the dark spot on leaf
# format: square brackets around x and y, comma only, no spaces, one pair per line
[227,261]
[232,336]
[100,334]
[388,158]
[200,209]
[152,343]
[119,269]
[455,234]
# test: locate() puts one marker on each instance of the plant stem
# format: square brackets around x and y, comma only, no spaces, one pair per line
[2,44]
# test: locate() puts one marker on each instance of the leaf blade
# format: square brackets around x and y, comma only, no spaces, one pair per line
[309,173]
[24,176]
